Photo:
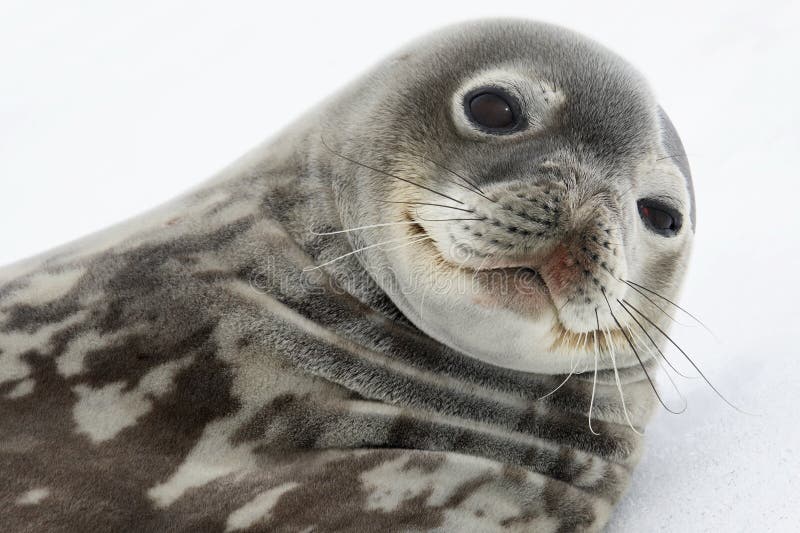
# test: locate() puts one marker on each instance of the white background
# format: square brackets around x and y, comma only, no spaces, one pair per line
[108,109]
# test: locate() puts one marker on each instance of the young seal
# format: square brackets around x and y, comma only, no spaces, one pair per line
[369,323]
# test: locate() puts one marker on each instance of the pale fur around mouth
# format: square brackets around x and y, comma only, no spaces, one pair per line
[565,339]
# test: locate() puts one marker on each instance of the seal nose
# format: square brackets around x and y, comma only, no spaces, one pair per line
[585,267]
[561,269]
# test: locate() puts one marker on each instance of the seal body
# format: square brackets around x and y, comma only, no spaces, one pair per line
[229,361]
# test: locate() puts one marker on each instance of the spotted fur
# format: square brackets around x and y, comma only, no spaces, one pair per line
[192,370]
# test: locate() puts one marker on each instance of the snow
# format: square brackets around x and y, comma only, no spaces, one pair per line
[113,108]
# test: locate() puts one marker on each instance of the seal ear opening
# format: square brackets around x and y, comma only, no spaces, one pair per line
[674,148]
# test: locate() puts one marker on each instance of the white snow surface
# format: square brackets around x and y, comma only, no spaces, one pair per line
[107,109]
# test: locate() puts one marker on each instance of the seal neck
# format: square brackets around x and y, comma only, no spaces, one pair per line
[345,330]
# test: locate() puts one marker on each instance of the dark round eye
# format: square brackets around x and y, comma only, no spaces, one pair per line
[492,110]
[660,217]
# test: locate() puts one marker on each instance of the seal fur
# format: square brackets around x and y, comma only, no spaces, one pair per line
[226,362]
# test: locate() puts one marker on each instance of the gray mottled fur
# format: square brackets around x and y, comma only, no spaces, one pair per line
[188,371]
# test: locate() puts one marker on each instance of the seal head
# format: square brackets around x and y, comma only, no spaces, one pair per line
[523,178]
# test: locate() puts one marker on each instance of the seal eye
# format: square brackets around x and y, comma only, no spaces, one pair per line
[492,110]
[660,217]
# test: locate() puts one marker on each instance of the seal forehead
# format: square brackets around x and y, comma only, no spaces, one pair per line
[607,105]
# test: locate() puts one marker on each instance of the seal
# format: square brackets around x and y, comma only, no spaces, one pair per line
[435,302]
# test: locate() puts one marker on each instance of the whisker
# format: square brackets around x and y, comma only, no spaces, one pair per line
[594,380]
[308,269]
[688,359]
[585,342]
[453,172]
[444,219]
[666,373]
[607,335]
[638,358]
[654,343]
[387,173]
[560,338]
[585,348]
[646,297]
[674,305]
[427,203]
[626,282]
[426,238]
[571,372]
[365,227]
[474,186]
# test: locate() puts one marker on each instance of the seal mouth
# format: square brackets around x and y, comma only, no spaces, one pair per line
[513,285]
[565,339]
[509,281]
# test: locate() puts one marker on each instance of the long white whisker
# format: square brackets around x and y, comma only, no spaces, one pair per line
[594,382]
[653,342]
[612,352]
[358,228]
[673,304]
[641,343]
[654,304]
[587,365]
[307,269]
[683,352]
[571,372]
[426,238]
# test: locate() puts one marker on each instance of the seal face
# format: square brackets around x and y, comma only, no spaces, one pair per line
[328,335]
[537,178]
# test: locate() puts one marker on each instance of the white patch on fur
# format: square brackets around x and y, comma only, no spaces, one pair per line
[454,472]
[21,389]
[591,475]
[33,496]
[102,413]
[13,345]
[258,508]
[494,508]
[212,457]
[392,483]
[255,384]
[388,486]
[45,287]
[70,363]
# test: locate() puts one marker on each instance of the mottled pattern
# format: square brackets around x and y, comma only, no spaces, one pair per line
[183,372]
